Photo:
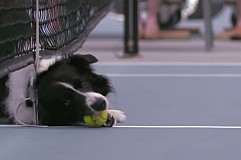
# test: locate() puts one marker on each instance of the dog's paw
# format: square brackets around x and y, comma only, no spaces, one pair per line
[118,115]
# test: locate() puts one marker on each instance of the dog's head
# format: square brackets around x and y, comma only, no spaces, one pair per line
[69,90]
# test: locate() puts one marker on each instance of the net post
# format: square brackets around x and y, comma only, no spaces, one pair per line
[36,61]
[131,28]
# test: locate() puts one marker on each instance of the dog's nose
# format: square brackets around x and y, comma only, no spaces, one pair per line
[99,105]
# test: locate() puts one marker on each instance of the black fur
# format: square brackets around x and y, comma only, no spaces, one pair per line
[3,93]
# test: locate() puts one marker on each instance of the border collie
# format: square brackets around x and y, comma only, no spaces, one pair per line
[67,89]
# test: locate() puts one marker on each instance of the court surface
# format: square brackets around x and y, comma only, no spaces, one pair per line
[175,112]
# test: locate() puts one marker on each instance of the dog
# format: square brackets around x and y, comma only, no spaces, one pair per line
[67,89]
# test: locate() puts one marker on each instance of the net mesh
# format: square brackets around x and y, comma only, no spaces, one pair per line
[63,25]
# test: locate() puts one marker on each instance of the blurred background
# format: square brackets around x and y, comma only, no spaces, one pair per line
[112,25]
[173,14]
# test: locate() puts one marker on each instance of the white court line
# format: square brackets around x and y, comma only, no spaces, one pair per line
[141,127]
[174,75]
[204,64]
[14,125]
[181,127]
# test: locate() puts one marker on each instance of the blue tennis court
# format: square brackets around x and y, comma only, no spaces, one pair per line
[176,111]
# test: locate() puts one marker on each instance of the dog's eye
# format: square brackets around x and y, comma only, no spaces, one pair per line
[84,85]
[67,102]
[79,85]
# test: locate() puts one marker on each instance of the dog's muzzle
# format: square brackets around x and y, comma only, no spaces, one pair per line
[99,105]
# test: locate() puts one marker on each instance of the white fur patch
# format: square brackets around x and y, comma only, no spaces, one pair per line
[91,97]
[119,116]
[44,64]
[18,83]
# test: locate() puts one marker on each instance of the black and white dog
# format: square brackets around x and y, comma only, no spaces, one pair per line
[67,88]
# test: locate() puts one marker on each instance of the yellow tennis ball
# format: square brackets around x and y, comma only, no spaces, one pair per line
[96,120]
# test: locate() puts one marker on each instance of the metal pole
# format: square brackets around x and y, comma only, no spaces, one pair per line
[208,24]
[37,46]
[131,27]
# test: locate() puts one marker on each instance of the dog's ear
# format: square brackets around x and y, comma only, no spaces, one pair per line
[82,61]
[88,58]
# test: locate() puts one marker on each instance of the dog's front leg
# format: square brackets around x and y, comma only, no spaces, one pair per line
[118,115]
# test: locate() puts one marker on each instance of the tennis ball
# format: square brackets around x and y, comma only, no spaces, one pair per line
[96,120]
